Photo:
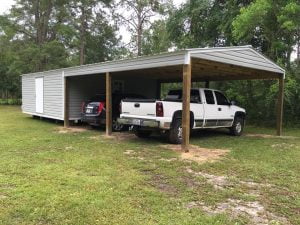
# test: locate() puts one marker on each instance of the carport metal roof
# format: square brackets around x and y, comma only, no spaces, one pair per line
[225,63]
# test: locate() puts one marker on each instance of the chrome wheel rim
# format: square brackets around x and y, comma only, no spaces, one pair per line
[238,127]
[180,132]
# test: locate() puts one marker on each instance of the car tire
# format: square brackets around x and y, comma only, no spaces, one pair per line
[143,133]
[237,126]
[117,126]
[175,133]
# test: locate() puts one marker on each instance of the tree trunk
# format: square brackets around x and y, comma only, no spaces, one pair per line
[139,32]
[82,36]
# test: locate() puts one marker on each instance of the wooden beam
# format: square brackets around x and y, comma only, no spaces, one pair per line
[66,102]
[232,70]
[186,92]
[108,106]
[280,106]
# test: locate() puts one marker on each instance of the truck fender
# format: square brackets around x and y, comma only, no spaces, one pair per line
[178,115]
[240,114]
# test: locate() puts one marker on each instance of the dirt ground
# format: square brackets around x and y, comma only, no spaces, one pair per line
[198,154]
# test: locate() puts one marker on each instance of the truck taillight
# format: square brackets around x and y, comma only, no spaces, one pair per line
[82,107]
[100,107]
[159,109]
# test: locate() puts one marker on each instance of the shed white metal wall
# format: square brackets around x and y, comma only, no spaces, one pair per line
[53,94]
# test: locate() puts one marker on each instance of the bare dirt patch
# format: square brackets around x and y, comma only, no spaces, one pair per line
[161,183]
[120,136]
[254,211]
[129,152]
[2,196]
[218,182]
[198,154]
[222,182]
[270,136]
[66,130]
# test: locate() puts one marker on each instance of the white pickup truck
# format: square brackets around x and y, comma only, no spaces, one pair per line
[208,109]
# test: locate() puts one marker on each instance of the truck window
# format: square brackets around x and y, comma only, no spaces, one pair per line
[221,99]
[209,97]
[176,95]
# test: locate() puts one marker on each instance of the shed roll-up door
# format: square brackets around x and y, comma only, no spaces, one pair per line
[39,95]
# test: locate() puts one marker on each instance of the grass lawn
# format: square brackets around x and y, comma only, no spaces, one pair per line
[51,177]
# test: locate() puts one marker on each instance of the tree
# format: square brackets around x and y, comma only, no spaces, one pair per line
[274,23]
[196,23]
[156,38]
[137,16]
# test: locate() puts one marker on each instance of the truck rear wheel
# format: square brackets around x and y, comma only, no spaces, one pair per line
[143,133]
[237,126]
[175,133]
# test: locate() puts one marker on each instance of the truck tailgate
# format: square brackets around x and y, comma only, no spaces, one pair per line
[139,107]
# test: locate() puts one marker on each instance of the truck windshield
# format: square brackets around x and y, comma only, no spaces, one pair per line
[176,95]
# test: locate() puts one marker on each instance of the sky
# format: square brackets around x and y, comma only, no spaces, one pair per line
[6,4]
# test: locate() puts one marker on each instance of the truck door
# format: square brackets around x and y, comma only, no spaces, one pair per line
[197,108]
[210,109]
[225,114]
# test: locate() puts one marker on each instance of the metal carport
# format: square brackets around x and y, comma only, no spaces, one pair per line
[202,64]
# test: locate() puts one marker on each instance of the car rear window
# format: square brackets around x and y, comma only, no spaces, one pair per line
[176,95]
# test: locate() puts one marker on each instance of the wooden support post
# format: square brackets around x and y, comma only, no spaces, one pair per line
[108,106]
[207,84]
[280,106]
[186,92]
[66,102]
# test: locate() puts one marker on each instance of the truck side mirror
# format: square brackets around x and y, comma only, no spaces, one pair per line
[232,103]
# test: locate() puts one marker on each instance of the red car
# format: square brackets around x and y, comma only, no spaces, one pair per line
[93,111]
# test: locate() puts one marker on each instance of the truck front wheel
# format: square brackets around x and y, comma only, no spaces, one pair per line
[237,126]
[175,133]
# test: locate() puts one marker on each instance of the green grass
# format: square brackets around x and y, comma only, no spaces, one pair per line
[48,177]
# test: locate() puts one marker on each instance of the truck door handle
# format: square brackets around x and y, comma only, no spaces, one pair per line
[136,105]
[219,109]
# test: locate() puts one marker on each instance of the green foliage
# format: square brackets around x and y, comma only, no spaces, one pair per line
[44,35]
[156,38]
[274,23]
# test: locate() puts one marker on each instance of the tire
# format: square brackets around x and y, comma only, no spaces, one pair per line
[143,133]
[117,126]
[175,133]
[237,126]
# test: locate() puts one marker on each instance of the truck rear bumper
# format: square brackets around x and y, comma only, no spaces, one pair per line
[139,122]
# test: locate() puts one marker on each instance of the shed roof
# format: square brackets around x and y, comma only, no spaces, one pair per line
[208,63]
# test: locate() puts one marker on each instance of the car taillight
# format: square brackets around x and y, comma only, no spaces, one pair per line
[100,107]
[82,107]
[159,109]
